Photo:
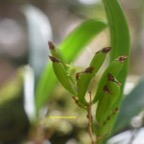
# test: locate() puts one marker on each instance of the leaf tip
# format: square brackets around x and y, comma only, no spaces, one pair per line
[54,59]
[51,45]
[89,70]
[106,50]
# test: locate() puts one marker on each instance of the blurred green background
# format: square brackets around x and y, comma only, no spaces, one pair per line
[25,28]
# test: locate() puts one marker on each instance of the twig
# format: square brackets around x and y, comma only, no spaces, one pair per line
[90,120]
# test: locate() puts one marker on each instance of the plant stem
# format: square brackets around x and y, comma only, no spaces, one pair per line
[78,103]
[90,119]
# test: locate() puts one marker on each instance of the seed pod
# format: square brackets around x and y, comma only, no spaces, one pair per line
[103,104]
[114,68]
[83,84]
[108,122]
[109,100]
[114,86]
[107,105]
[61,75]
[85,77]
[56,52]
[98,59]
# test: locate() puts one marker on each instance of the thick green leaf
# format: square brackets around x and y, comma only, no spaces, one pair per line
[71,47]
[79,38]
[131,106]
[120,39]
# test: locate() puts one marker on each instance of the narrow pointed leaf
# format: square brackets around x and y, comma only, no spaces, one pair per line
[119,32]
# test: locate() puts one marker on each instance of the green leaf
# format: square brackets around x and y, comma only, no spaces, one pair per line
[71,48]
[79,38]
[132,105]
[120,39]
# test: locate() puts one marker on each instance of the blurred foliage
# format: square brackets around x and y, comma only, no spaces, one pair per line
[39,31]
[11,89]
[64,129]
[14,123]
[131,106]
